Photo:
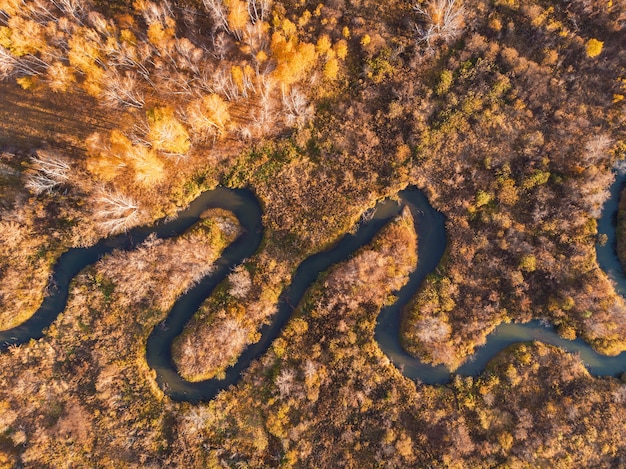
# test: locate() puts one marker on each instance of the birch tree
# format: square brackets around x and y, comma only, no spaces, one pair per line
[443,20]
[115,212]
[47,172]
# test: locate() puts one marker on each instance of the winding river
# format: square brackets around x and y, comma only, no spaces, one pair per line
[432,243]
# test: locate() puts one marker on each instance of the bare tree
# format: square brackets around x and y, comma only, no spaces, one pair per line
[221,45]
[297,109]
[240,282]
[217,10]
[99,22]
[255,36]
[47,172]
[122,89]
[244,133]
[204,81]
[115,212]
[264,115]
[224,84]
[124,55]
[8,63]
[247,84]
[443,20]
[139,133]
[176,83]
[258,9]
[593,189]
[596,148]
[285,382]
[12,233]
[27,65]
[157,13]
[195,420]
[189,56]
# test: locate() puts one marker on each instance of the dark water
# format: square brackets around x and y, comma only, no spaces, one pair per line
[607,224]
[431,236]
[243,203]
[158,354]
[159,344]
[430,226]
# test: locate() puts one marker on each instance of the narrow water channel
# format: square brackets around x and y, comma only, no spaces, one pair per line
[431,239]
[430,226]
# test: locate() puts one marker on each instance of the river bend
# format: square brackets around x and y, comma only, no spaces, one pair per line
[430,226]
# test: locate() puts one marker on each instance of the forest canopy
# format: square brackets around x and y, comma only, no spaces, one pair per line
[508,115]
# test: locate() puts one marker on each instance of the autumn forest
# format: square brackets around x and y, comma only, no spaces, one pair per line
[117,116]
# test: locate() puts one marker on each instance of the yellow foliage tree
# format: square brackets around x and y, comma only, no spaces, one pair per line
[128,37]
[108,160]
[238,75]
[237,17]
[23,37]
[293,58]
[323,44]
[166,132]
[103,163]
[331,68]
[162,35]
[594,47]
[304,19]
[5,37]
[261,57]
[11,7]
[85,55]
[208,117]
[27,82]
[148,168]
[341,49]
[288,28]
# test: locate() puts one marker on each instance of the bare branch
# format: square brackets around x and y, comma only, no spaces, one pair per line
[116,212]
[122,90]
[48,171]
[223,84]
[28,65]
[217,10]
[8,64]
[443,20]
[297,109]
[73,8]
[221,45]
[41,11]
[99,22]
[157,13]
[258,9]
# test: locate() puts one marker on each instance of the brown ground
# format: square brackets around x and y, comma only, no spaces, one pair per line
[30,119]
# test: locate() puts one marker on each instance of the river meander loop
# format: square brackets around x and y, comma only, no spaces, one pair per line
[430,227]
